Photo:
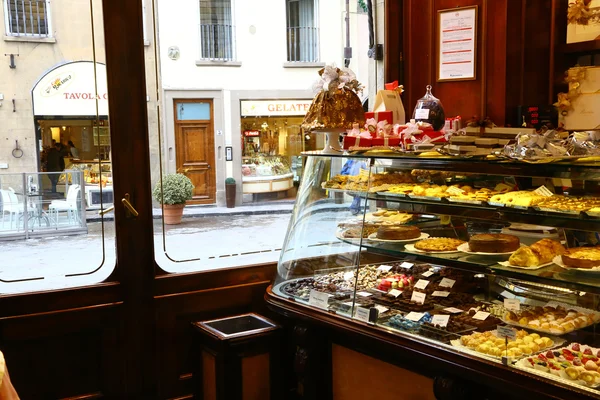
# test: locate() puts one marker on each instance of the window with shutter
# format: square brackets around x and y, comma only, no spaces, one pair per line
[217,32]
[302,31]
[27,17]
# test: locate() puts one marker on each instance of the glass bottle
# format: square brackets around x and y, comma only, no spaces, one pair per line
[429,109]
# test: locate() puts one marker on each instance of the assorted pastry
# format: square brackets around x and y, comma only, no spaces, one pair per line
[581,257]
[387,232]
[493,243]
[577,363]
[520,198]
[384,216]
[362,182]
[484,324]
[432,245]
[556,320]
[489,343]
[570,204]
[539,253]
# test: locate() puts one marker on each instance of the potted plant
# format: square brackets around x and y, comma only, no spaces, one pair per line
[230,192]
[174,191]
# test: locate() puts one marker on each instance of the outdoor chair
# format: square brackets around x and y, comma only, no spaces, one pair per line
[69,206]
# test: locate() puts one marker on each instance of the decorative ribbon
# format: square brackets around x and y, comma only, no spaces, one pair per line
[579,12]
[482,124]
[573,77]
[394,86]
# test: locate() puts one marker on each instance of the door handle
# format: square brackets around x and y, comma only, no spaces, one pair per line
[130,210]
[106,210]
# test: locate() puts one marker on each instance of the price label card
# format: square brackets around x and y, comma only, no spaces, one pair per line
[481,315]
[364,294]
[418,297]
[406,265]
[421,284]
[362,314]
[543,191]
[395,292]
[427,274]
[437,293]
[318,299]
[506,332]
[441,320]
[381,309]
[384,268]
[447,283]
[422,113]
[453,310]
[512,304]
[348,275]
[414,316]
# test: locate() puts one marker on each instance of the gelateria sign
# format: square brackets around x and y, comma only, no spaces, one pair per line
[274,108]
[72,89]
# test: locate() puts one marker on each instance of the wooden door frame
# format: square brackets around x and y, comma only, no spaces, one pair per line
[177,125]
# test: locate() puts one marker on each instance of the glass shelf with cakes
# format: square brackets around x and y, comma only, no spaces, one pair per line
[500,268]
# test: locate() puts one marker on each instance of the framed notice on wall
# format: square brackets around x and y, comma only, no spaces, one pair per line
[457,44]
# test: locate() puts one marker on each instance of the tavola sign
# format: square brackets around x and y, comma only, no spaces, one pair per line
[72,89]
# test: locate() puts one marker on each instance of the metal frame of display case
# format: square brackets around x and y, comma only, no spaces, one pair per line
[374,337]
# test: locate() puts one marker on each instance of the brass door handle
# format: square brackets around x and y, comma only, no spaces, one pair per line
[131,212]
[106,210]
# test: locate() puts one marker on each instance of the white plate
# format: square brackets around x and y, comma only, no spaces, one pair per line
[508,264]
[558,261]
[465,249]
[411,247]
[338,235]
[373,237]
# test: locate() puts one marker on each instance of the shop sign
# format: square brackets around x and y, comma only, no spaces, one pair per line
[251,133]
[273,108]
[72,89]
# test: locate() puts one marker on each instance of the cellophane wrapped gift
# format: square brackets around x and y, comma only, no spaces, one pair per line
[584,143]
[535,145]
[336,105]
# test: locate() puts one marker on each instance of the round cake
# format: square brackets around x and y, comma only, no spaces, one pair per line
[391,232]
[582,257]
[493,243]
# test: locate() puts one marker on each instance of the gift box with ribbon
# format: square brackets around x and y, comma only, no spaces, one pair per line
[381,116]
[386,142]
[357,141]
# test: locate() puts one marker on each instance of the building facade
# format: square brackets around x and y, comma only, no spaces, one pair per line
[49,84]
[236,81]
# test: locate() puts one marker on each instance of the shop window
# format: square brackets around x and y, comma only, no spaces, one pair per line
[217,32]
[302,31]
[27,18]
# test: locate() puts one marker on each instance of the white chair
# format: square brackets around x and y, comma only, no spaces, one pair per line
[69,205]
[12,206]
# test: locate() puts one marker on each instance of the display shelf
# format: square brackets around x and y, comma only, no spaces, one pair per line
[574,169]
[581,47]
[552,275]
[491,213]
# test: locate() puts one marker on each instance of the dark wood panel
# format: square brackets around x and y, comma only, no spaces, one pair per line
[72,354]
[393,52]
[496,65]
[537,51]
[462,98]
[418,51]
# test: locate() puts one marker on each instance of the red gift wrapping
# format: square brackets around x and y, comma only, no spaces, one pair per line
[381,116]
[356,141]
[386,142]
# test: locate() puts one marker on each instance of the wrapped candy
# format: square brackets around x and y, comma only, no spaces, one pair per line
[584,143]
[531,146]
[336,105]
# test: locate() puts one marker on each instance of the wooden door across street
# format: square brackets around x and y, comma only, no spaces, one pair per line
[195,147]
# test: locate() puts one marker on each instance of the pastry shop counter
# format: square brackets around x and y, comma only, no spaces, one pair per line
[397,352]
[267,184]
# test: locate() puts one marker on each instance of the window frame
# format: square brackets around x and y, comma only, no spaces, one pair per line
[233,43]
[8,33]
[315,24]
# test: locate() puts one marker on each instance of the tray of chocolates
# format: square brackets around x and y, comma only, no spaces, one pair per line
[472,318]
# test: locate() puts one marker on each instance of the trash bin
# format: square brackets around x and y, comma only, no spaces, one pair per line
[237,358]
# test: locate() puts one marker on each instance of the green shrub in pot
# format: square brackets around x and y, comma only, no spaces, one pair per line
[176,189]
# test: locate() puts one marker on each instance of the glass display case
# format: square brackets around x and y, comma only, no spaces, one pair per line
[493,260]
[265,174]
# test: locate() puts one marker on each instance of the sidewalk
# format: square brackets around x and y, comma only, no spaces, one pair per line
[199,211]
